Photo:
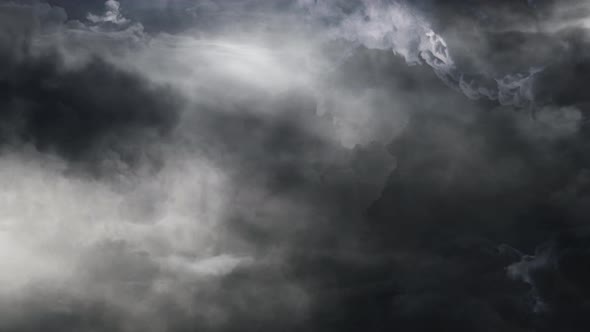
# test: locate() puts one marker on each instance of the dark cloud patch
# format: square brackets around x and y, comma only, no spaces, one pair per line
[556,274]
[425,255]
[78,10]
[490,40]
[463,186]
[87,114]
[180,15]
[572,70]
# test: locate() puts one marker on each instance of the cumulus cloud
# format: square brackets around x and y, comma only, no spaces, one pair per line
[112,14]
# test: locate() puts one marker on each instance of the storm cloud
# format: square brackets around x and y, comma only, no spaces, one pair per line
[294,165]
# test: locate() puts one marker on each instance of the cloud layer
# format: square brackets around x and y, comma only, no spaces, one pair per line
[293,165]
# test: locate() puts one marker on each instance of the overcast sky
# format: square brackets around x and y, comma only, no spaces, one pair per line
[294,165]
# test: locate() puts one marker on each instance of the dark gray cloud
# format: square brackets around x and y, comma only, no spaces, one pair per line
[291,187]
[83,114]
[78,113]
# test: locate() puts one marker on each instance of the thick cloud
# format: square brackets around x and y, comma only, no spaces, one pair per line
[293,165]
[84,112]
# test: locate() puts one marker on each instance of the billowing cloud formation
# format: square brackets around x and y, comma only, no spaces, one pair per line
[523,41]
[254,165]
[111,15]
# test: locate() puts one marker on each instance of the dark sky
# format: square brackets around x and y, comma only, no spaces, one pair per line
[297,165]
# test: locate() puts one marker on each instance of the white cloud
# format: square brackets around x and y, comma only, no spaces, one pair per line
[112,14]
